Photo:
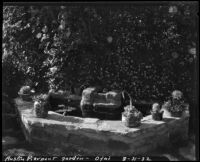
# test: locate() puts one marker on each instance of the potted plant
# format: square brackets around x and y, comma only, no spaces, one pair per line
[41,106]
[25,93]
[131,117]
[176,105]
[156,112]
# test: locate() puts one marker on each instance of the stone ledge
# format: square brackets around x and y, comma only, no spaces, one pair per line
[99,136]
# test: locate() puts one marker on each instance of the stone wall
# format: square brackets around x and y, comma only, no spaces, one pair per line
[100,137]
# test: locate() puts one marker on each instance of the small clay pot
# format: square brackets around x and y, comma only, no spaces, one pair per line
[157,115]
[40,109]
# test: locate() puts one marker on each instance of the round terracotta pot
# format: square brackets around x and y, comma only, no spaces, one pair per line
[40,109]
[157,115]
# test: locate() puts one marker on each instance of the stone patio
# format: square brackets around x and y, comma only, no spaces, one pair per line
[100,137]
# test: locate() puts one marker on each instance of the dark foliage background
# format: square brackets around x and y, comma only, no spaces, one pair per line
[147,50]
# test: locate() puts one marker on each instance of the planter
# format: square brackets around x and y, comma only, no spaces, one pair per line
[177,114]
[25,97]
[173,114]
[175,107]
[131,117]
[130,121]
[158,116]
[40,109]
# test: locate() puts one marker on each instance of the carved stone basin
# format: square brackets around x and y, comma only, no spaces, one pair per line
[99,137]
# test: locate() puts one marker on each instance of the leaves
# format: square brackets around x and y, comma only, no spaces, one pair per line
[144,49]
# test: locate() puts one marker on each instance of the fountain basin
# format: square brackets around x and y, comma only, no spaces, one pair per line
[100,137]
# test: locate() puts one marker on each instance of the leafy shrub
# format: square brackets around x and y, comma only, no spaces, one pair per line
[12,78]
[41,97]
[156,107]
[176,103]
[177,95]
[148,51]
